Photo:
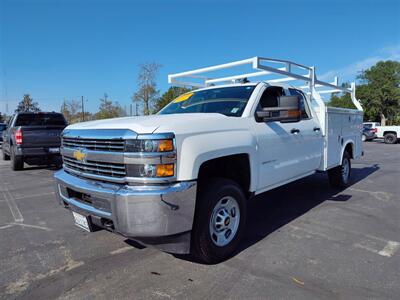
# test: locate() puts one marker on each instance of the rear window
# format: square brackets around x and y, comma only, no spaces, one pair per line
[40,120]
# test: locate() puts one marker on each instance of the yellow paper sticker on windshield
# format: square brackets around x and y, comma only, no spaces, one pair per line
[183,97]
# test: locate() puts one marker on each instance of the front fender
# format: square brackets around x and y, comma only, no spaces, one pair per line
[197,149]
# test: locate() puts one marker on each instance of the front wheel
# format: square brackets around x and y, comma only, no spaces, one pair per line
[339,176]
[219,221]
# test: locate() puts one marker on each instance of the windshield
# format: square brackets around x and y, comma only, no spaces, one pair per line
[229,101]
[40,119]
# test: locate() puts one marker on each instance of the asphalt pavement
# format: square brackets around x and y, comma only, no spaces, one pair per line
[303,241]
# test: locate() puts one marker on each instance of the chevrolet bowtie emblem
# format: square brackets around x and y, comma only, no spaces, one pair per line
[79,155]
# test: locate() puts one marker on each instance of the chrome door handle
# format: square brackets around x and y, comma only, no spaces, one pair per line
[295,131]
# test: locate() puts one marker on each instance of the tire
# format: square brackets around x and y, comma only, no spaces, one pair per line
[390,138]
[4,155]
[363,138]
[17,162]
[339,176]
[220,209]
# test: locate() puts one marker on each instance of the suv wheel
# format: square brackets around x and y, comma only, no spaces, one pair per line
[4,155]
[390,138]
[340,176]
[16,161]
[219,221]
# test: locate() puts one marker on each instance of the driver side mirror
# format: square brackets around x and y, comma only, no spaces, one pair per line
[287,111]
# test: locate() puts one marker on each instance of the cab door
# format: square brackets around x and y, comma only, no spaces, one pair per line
[282,147]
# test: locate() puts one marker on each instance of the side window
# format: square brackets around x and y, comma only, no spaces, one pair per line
[270,97]
[305,114]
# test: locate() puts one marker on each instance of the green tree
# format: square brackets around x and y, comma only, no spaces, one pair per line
[147,88]
[341,99]
[108,109]
[27,104]
[172,93]
[71,109]
[380,91]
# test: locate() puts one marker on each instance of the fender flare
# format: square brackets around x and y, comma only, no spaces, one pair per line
[350,142]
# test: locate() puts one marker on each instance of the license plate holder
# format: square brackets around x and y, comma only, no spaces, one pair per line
[82,221]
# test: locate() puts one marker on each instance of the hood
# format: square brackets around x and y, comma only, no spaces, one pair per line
[149,124]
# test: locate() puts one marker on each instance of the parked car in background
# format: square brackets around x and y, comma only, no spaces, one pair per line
[2,128]
[33,138]
[368,134]
[390,134]
[371,125]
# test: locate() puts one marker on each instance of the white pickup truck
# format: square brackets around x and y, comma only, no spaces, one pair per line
[180,180]
[390,134]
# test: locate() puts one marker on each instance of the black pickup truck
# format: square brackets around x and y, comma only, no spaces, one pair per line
[33,138]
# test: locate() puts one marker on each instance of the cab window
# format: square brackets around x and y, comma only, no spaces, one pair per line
[305,113]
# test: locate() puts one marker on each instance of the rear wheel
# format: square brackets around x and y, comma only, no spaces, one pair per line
[220,220]
[340,176]
[390,138]
[17,162]
[4,155]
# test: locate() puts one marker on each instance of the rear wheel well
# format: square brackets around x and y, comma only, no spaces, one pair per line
[392,132]
[349,149]
[235,167]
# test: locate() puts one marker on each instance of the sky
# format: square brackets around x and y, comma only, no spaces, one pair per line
[65,49]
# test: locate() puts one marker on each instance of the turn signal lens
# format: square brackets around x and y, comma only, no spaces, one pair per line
[165,145]
[165,170]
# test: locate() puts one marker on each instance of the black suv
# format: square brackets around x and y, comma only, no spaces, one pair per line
[33,138]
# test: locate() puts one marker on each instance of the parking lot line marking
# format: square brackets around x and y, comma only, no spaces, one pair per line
[12,205]
[121,250]
[384,196]
[366,248]
[32,226]
[6,226]
[34,195]
[390,249]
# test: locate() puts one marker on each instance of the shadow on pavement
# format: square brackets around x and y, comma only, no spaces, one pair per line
[274,209]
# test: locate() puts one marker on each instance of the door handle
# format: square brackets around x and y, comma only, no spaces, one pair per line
[295,131]
[317,129]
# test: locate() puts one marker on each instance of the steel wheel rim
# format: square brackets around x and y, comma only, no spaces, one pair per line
[345,169]
[224,222]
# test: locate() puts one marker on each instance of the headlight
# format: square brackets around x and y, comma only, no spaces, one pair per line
[149,145]
[151,170]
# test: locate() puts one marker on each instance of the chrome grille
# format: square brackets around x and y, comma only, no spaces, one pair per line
[111,145]
[97,168]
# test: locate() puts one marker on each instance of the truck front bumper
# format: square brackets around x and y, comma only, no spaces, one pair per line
[159,215]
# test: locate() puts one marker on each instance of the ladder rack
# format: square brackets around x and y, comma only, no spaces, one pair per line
[285,68]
